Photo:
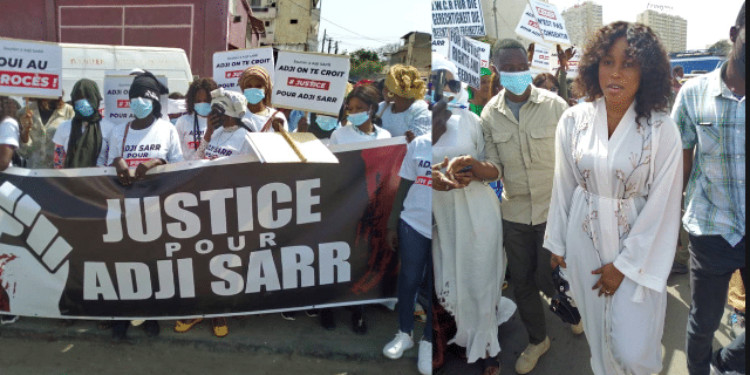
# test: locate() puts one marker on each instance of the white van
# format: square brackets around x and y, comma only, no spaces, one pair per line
[92,61]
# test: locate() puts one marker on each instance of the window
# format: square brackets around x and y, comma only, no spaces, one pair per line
[268,23]
[293,22]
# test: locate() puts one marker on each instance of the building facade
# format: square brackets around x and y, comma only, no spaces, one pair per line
[671,29]
[289,24]
[582,21]
[416,51]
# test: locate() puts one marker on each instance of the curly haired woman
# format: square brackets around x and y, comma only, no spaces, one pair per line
[616,198]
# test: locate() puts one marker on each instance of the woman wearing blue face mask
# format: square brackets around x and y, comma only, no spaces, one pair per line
[79,141]
[148,140]
[256,84]
[192,126]
[361,105]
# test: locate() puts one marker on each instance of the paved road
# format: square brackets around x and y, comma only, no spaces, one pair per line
[569,354]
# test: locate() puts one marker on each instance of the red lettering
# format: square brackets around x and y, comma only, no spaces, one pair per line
[22,79]
[546,13]
[233,74]
[308,83]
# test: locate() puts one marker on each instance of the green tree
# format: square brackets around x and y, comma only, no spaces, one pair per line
[365,64]
[720,48]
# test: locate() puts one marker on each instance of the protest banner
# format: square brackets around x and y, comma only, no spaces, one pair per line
[30,69]
[484,52]
[550,22]
[541,57]
[528,27]
[228,65]
[440,45]
[200,238]
[312,82]
[462,16]
[466,55]
[116,99]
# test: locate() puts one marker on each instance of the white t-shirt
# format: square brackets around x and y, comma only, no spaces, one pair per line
[349,134]
[62,136]
[158,141]
[228,143]
[417,167]
[186,131]
[9,132]
[416,118]
[257,120]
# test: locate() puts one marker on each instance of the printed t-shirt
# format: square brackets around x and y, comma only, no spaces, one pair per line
[62,136]
[186,131]
[228,143]
[348,134]
[417,167]
[257,120]
[158,141]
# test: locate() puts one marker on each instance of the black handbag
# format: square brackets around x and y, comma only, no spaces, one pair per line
[562,303]
[18,160]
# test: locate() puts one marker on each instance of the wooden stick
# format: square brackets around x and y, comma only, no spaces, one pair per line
[293,145]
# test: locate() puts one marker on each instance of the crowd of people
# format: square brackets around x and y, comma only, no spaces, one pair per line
[209,123]
[593,172]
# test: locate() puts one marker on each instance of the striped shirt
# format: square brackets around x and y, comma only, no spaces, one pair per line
[712,119]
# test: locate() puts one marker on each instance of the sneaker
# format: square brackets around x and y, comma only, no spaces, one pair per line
[311,313]
[528,359]
[182,326]
[219,327]
[424,361]
[678,268]
[395,348]
[136,323]
[8,319]
[577,329]
[288,315]
[419,313]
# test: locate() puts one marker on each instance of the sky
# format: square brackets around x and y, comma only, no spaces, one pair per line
[708,21]
[359,24]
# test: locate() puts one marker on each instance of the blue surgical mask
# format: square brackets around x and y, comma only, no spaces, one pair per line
[254,96]
[202,109]
[326,123]
[359,118]
[83,107]
[516,82]
[141,107]
[174,120]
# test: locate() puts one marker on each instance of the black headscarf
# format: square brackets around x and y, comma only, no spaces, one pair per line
[83,148]
[145,85]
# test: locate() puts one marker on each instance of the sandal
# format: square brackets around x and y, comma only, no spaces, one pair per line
[220,328]
[490,366]
[182,326]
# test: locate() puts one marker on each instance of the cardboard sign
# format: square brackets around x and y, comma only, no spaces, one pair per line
[572,63]
[550,21]
[466,55]
[528,27]
[228,65]
[542,57]
[484,52]
[30,69]
[116,100]
[310,82]
[463,16]
[440,45]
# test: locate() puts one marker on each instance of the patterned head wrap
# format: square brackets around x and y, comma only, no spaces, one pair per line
[259,72]
[404,81]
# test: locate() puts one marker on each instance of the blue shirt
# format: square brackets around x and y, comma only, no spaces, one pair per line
[712,119]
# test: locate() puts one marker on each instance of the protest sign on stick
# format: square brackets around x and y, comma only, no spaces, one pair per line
[440,45]
[484,52]
[312,82]
[466,55]
[229,65]
[117,100]
[462,16]
[550,22]
[30,69]
[528,27]
[541,58]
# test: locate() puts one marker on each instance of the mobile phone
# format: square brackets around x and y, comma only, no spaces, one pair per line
[218,111]
[465,169]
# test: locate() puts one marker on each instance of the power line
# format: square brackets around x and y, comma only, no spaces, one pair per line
[337,25]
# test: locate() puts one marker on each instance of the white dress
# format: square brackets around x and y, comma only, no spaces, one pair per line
[617,200]
[467,247]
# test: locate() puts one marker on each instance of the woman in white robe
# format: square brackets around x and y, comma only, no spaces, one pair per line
[614,215]
[467,246]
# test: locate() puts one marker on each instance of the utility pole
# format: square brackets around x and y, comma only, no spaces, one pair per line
[337,48]
[324,41]
[329,44]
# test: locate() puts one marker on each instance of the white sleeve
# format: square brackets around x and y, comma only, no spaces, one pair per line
[9,132]
[174,151]
[648,251]
[563,185]
[408,166]
[334,138]
[281,116]
[62,134]
[422,123]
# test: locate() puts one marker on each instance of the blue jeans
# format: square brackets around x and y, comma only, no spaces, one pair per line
[712,262]
[415,253]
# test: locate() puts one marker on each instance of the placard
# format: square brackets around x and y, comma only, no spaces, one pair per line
[528,27]
[229,65]
[463,16]
[551,23]
[30,69]
[312,82]
[572,71]
[466,55]
[484,52]
[117,102]
[541,59]
[440,45]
